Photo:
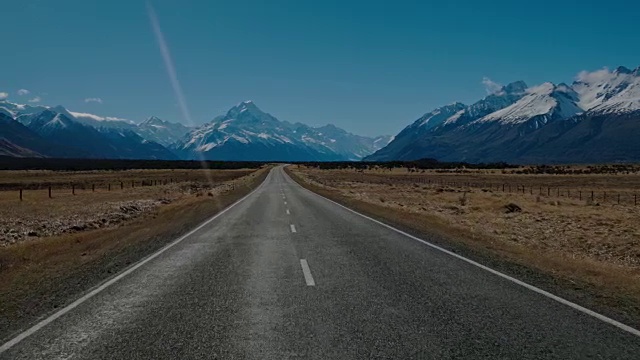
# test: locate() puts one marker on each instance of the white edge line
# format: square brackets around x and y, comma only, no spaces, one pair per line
[293,228]
[307,273]
[6,346]
[575,306]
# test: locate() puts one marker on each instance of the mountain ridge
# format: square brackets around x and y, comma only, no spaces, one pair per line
[244,131]
[533,125]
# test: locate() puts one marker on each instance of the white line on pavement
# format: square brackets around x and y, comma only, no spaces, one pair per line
[288,213]
[293,228]
[547,294]
[307,273]
[6,346]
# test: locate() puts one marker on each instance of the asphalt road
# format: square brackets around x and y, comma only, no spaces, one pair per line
[288,274]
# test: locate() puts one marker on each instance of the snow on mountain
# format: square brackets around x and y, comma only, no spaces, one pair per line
[6,112]
[247,133]
[595,119]
[605,91]
[547,100]
[17,110]
[438,116]
[506,96]
[163,132]
[447,118]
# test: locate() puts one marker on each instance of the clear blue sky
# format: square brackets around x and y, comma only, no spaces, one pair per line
[371,67]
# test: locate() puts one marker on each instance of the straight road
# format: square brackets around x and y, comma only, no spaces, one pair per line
[285,273]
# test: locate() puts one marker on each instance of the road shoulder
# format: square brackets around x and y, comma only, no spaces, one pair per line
[69,266]
[609,301]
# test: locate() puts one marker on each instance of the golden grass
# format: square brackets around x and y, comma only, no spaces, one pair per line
[15,179]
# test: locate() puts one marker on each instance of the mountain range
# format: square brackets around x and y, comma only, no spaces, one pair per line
[244,133]
[595,119]
[247,133]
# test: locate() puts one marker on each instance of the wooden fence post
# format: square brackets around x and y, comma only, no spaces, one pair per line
[20,194]
[121,185]
[108,187]
[592,198]
[49,191]
[73,189]
[618,199]
[548,191]
[93,187]
[580,192]
[133,184]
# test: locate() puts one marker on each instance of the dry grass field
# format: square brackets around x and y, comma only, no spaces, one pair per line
[95,204]
[51,250]
[589,243]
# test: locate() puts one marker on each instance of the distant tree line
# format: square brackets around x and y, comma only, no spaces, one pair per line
[14,163]
[573,170]
[422,164]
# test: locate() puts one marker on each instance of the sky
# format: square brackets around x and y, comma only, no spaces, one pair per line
[371,67]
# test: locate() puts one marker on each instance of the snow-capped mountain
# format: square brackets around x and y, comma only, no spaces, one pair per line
[543,103]
[609,92]
[247,133]
[446,118]
[151,130]
[18,140]
[243,133]
[163,132]
[55,132]
[544,123]
[89,142]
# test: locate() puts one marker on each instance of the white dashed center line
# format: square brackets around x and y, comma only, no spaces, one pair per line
[293,228]
[307,273]
[288,213]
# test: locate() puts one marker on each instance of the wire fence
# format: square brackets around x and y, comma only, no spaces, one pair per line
[74,188]
[595,196]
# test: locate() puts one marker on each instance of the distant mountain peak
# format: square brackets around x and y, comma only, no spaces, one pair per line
[6,112]
[247,106]
[516,87]
[623,70]
[153,120]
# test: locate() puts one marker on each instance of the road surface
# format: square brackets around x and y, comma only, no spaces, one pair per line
[285,273]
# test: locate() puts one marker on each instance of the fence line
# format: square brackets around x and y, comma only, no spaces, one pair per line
[594,196]
[83,186]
